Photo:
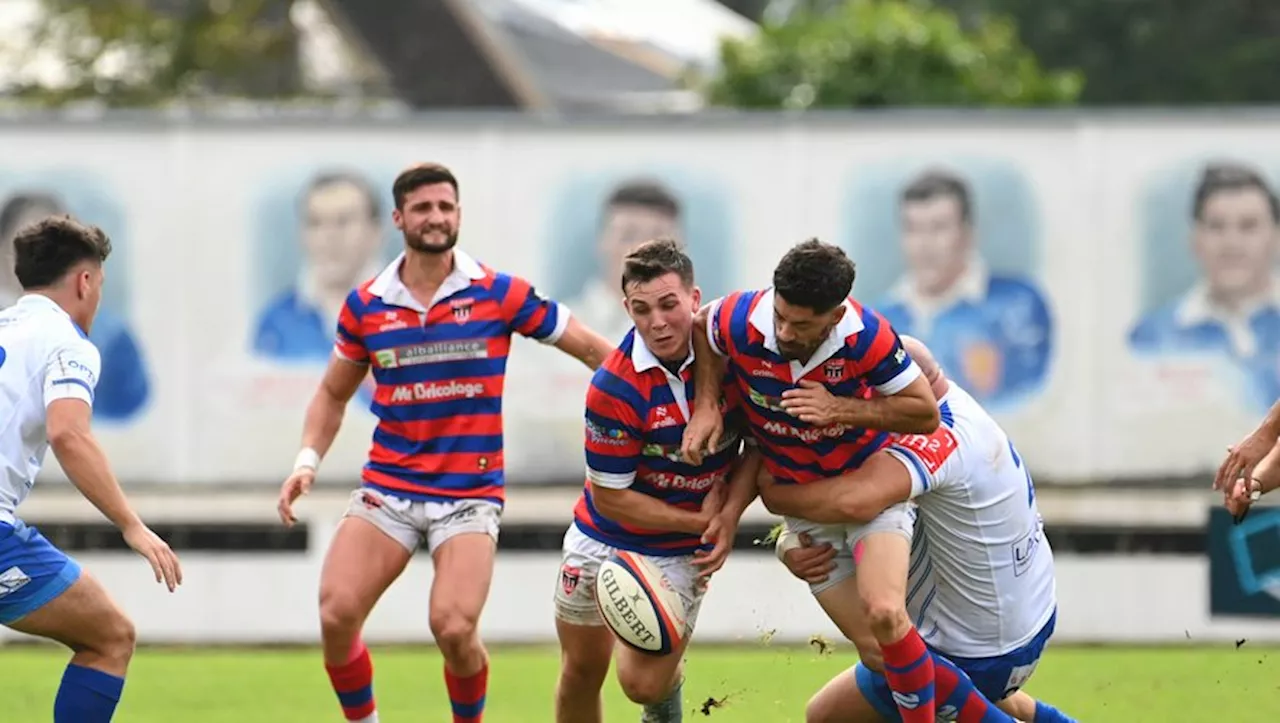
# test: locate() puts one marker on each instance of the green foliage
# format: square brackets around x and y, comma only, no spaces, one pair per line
[881,53]
[143,52]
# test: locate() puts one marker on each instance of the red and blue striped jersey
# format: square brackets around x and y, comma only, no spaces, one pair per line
[439,374]
[862,355]
[635,420]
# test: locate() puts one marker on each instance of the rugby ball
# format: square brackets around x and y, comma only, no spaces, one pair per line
[639,604]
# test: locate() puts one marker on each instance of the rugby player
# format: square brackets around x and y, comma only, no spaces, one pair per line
[640,495]
[435,327]
[982,589]
[803,356]
[48,373]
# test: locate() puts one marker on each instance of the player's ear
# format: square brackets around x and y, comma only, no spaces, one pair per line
[697,299]
[838,313]
[397,218]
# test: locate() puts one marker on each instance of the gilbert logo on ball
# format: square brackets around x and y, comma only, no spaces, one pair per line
[639,604]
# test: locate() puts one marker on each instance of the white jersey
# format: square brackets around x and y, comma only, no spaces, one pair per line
[44,357]
[981,582]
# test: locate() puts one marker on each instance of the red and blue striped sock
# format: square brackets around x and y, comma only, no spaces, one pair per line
[908,667]
[353,682]
[466,695]
[957,693]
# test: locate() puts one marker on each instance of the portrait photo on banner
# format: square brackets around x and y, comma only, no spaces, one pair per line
[29,195]
[1210,244]
[322,231]
[949,251]
[600,216]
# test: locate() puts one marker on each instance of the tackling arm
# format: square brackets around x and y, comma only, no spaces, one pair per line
[913,410]
[855,497]
[67,424]
[1267,473]
[708,365]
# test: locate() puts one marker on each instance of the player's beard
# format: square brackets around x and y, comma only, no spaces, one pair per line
[418,241]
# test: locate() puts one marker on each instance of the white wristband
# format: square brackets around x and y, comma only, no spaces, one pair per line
[308,458]
[788,540]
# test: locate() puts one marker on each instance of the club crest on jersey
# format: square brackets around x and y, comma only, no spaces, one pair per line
[461,309]
[834,370]
[569,579]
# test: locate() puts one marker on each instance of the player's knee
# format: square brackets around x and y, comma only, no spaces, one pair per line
[117,638]
[642,687]
[453,629]
[581,674]
[870,655]
[886,615]
[339,613]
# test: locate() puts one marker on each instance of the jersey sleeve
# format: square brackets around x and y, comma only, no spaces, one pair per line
[71,372]
[716,326]
[350,341]
[533,315]
[886,366]
[932,460]
[614,439]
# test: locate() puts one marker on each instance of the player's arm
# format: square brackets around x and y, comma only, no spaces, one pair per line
[706,424]
[70,379]
[1246,454]
[909,410]
[854,497]
[583,343]
[541,319]
[347,367]
[613,450]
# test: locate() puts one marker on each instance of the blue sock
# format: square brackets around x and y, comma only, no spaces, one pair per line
[958,697]
[86,696]
[1046,713]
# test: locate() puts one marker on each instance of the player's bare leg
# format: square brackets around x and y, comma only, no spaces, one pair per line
[360,565]
[651,681]
[585,654]
[840,701]
[101,637]
[463,573]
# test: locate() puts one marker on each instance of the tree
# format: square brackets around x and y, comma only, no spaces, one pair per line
[880,53]
[146,52]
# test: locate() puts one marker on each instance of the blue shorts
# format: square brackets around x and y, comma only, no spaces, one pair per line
[996,678]
[32,571]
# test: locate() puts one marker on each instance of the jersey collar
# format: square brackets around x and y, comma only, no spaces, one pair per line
[643,359]
[392,290]
[762,319]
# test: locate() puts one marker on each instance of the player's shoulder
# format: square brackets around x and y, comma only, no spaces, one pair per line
[617,376]
[868,326]
[362,297]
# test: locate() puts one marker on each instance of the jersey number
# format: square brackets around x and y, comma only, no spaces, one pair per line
[1017,461]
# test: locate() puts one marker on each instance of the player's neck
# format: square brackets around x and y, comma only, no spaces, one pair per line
[426,271]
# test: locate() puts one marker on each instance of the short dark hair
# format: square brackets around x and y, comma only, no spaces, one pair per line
[814,275]
[47,250]
[326,179]
[417,176]
[1227,176]
[647,194]
[655,258]
[18,204]
[937,183]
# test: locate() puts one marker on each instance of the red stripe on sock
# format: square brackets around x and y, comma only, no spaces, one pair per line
[467,691]
[910,652]
[974,710]
[351,677]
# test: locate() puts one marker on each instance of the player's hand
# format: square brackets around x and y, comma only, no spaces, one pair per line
[812,403]
[713,502]
[163,560]
[809,562]
[719,534]
[1242,457]
[702,433]
[298,484]
[1239,497]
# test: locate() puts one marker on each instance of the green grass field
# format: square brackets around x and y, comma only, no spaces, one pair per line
[758,684]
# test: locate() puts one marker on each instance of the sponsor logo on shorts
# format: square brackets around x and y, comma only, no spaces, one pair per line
[370,500]
[433,392]
[569,578]
[12,580]
[436,352]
